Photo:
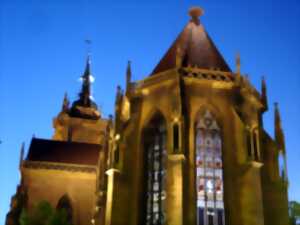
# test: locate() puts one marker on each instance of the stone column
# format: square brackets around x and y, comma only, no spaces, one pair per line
[174,207]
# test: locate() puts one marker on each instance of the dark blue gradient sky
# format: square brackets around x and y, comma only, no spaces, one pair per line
[42,55]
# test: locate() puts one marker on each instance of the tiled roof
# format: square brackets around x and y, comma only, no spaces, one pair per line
[63,152]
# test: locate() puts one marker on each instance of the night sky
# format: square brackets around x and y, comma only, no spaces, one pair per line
[43,53]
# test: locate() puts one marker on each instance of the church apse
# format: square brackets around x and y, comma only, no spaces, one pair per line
[186,146]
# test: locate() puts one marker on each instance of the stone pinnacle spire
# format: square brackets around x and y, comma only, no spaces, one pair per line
[128,74]
[279,135]
[264,98]
[66,103]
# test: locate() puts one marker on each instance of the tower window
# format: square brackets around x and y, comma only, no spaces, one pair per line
[281,162]
[209,173]
[155,171]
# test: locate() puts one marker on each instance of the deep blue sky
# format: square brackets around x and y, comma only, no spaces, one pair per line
[42,55]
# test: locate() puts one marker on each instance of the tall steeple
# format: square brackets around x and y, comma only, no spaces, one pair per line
[279,135]
[85,94]
[85,107]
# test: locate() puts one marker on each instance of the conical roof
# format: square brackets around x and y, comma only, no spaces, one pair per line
[194,47]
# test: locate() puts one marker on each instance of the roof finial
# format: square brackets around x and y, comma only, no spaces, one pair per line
[22,155]
[238,63]
[66,103]
[264,98]
[88,43]
[87,79]
[279,136]
[128,74]
[195,12]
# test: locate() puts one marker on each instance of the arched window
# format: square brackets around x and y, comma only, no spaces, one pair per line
[64,203]
[155,160]
[281,162]
[209,173]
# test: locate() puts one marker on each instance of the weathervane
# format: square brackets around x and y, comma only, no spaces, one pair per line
[88,43]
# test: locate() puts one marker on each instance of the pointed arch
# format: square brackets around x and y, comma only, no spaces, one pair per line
[65,203]
[215,111]
[209,169]
[152,114]
[154,151]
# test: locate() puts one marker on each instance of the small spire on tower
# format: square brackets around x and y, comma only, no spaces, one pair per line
[66,103]
[279,136]
[22,155]
[119,94]
[128,74]
[264,97]
[178,57]
[85,93]
[238,63]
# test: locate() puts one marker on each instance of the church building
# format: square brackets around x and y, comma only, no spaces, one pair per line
[186,146]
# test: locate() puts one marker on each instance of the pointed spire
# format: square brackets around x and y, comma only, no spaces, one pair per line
[86,84]
[264,98]
[66,103]
[279,136]
[238,63]
[22,155]
[119,94]
[196,48]
[128,74]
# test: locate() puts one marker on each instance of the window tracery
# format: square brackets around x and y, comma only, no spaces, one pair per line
[209,173]
[155,149]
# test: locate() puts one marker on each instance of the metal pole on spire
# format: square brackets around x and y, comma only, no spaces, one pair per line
[88,43]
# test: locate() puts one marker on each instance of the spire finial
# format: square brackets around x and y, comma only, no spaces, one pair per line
[87,79]
[88,43]
[264,97]
[66,103]
[279,136]
[195,12]
[22,154]
[128,74]
[238,63]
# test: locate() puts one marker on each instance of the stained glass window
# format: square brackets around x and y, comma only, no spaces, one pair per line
[155,146]
[209,173]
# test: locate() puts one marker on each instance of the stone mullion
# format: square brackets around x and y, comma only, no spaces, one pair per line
[204,174]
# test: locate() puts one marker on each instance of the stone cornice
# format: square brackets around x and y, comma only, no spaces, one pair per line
[59,166]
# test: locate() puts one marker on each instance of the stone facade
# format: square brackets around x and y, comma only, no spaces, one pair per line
[148,169]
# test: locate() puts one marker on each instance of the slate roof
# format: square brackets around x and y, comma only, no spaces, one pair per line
[63,152]
[196,48]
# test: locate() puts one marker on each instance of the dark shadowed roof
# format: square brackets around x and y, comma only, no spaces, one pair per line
[196,49]
[63,152]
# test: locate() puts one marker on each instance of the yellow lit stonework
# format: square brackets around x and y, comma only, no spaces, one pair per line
[153,163]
